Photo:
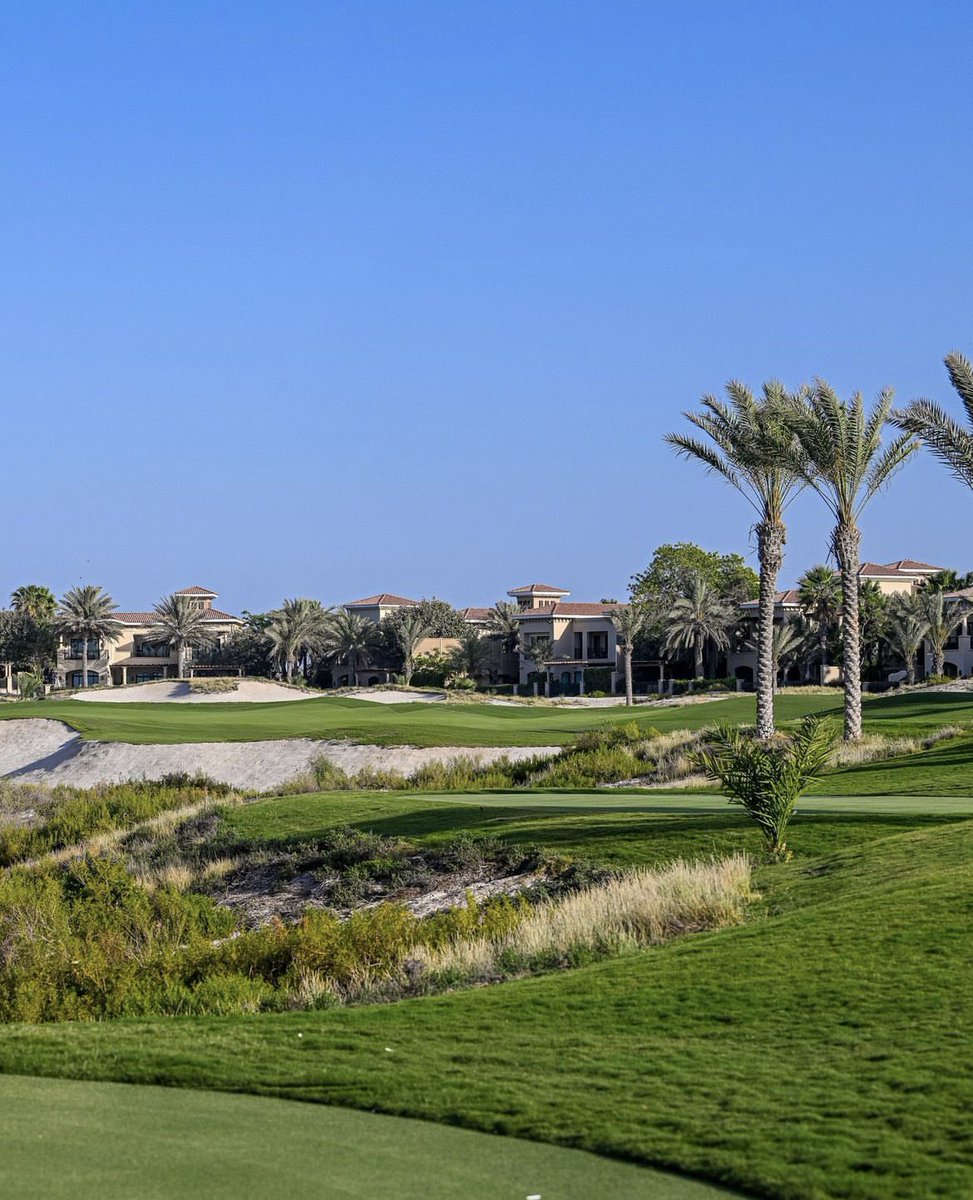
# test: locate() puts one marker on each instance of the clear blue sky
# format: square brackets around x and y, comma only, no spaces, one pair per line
[332,298]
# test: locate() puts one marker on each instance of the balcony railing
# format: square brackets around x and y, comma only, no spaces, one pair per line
[147,651]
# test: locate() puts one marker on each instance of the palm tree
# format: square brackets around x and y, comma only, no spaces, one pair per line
[296,630]
[542,653]
[846,464]
[410,630]
[788,644]
[472,656]
[819,595]
[629,621]
[941,623]
[698,617]
[947,440]
[752,446]
[35,601]
[180,623]
[949,581]
[350,638]
[505,625]
[86,613]
[906,631]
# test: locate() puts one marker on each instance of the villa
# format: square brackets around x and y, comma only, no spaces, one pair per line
[581,633]
[138,657]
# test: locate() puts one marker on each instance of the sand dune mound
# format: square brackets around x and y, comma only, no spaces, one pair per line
[49,752]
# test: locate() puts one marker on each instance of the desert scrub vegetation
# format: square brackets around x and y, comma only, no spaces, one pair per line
[63,817]
[623,914]
[87,941]
[610,754]
[203,685]
[875,747]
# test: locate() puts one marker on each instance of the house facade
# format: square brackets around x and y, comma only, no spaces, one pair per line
[137,656]
[581,633]
[903,577]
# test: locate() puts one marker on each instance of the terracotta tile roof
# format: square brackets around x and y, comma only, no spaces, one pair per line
[533,589]
[150,618]
[476,614]
[561,608]
[383,598]
[961,594]
[882,571]
[910,564]
[195,590]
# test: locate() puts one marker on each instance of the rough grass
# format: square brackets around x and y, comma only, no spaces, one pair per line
[818,1051]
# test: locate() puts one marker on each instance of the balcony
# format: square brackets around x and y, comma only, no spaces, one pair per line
[152,650]
[75,654]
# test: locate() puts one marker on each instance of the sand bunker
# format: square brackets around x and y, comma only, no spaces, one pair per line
[49,752]
[175,691]
[390,696]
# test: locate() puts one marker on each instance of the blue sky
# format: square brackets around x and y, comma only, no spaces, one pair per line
[332,298]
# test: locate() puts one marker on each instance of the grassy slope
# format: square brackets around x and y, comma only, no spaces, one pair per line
[819,1051]
[235,1147]
[587,825]
[385,724]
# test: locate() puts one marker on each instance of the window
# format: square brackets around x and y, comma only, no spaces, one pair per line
[75,679]
[145,648]
[579,645]
[77,648]
[538,639]
[597,645]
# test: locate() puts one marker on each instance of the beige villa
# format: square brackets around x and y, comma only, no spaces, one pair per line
[138,657]
[581,633]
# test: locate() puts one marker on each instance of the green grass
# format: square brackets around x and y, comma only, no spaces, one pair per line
[70,1141]
[820,1050]
[385,724]
[619,829]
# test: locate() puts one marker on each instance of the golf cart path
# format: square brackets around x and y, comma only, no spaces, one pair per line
[38,750]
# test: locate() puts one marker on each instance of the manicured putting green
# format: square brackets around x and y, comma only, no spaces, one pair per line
[69,1139]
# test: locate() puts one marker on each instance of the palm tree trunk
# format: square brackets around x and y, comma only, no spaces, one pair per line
[847,540]
[627,657]
[910,669]
[84,661]
[181,659]
[547,684]
[823,645]
[698,657]
[771,536]
[938,660]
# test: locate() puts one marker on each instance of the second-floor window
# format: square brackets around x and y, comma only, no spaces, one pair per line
[597,645]
[149,649]
[77,647]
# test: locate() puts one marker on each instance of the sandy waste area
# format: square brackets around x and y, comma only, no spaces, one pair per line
[42,751]
[175,691]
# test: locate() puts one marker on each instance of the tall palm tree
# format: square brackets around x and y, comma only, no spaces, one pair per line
[629,621]
[949,580]
[542,653]
[35,601]
[472,656]
[906,631]
[846,464]
[350,638]
[296,630]
[943,436]
[788,644]
[698,617]
[752,446]
[819,595]
[86,613]
[181,624]
[410,630]
[942,621]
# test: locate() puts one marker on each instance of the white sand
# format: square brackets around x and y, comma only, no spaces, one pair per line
[169,691]
[390,696]
[49,752]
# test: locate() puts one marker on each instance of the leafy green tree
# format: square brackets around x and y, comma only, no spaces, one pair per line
[767,778]
[847,464]
[439,617]
[431,670]
[673,566]
[751,445]
[86,613]
[629,621]
[819,595]
[873,619]
[295,632]
[351,639]
[247,646]
[699,617]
